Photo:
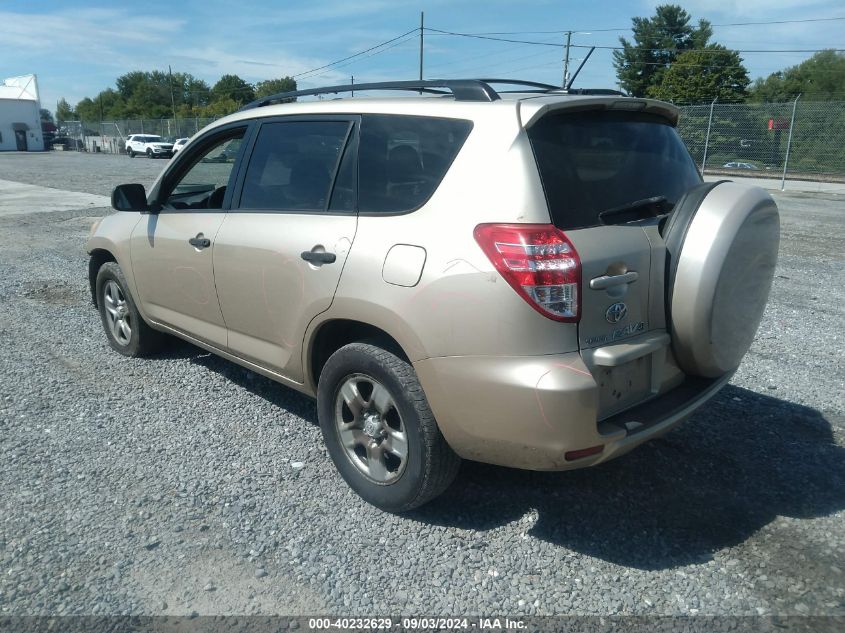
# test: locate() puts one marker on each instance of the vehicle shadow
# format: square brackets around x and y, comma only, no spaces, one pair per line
[275,393]
[743,460]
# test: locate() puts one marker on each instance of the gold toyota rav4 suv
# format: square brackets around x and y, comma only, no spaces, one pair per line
[537,279]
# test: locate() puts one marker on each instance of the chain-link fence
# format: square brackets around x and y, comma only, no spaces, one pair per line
[110,136]
[795,139]
[801,140]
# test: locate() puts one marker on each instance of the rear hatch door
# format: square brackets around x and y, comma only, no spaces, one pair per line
[608,175]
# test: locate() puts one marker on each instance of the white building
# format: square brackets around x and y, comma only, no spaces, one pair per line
[20,115]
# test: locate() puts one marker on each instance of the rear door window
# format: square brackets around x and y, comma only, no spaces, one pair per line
[596,162]
[402,159]
[293,165]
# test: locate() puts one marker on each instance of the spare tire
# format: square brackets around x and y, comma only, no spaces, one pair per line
[722,245]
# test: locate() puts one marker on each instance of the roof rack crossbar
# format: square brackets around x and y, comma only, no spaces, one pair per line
[462,89]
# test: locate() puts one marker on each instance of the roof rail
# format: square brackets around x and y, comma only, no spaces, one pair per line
[518,82]
[462,89]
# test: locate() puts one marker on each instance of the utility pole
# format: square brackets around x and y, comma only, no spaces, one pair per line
[422,32]
[353,85]
[566,60]
[172,99]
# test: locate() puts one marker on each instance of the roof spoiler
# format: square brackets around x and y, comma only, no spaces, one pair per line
[608,102]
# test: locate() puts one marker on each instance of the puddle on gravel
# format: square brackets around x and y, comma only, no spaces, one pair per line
[51,293]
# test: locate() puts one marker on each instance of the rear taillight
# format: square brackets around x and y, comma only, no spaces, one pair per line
[541,264]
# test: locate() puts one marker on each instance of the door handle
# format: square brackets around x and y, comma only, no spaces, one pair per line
[318,258]
[199,241]
[608,281]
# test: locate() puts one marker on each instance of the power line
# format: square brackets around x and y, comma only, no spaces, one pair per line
[636,48]
[495,39]
[712,50]
[782,22]
[372,48]
[477,68]
[628,28]
[474,57]
[406,39]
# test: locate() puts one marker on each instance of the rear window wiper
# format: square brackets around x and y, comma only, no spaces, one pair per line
[637,210]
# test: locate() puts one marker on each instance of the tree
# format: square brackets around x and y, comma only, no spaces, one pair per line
[194,92]
[148,94]
[234,88]
[108,104]
[657,42]
[703,75]
[274,86]
[819,78]
[64,112]
[153,95]
[88,110]
[46,115]
[220,107]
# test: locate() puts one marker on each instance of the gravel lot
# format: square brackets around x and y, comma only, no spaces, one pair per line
[186,484]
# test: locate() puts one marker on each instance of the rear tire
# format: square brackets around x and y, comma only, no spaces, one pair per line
[125,328]
[380,431]
[131,153]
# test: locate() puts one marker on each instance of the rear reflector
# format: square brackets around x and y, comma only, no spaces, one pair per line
[539,262]
[584,452]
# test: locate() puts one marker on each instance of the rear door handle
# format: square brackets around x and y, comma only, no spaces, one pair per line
[199,241]
[608,281]
[318,258]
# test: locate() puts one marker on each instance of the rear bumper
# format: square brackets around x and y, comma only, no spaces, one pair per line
[528,412]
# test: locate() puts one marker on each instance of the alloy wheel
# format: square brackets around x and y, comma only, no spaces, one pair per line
[117,312]
[370,428]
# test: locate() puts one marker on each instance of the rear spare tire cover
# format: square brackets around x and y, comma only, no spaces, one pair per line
[720,276]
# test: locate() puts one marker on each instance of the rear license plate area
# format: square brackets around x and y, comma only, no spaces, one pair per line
[623,386]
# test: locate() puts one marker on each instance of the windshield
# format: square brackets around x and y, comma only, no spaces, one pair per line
[598,161]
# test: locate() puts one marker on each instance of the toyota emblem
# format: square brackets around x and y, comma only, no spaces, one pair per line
[616,313]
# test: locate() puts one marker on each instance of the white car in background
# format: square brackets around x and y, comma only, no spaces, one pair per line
[179,143]
[740,165]
[150,144]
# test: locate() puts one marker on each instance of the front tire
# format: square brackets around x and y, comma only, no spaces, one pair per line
[125,328]
[149,153]
[380,431]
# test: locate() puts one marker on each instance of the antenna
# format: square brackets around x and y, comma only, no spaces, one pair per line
[575,74]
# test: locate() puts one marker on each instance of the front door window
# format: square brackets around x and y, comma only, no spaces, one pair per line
[203,185]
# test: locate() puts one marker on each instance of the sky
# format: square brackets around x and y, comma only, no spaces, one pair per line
[79,47]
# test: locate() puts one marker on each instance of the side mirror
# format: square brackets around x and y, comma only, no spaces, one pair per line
[130,197]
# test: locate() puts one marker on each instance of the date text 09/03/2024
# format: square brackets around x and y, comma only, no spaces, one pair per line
[416,624]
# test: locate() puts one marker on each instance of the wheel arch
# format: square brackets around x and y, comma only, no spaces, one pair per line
[332,334]
[98,257]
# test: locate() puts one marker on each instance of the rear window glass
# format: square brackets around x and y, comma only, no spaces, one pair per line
[402,159]
[592,162]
